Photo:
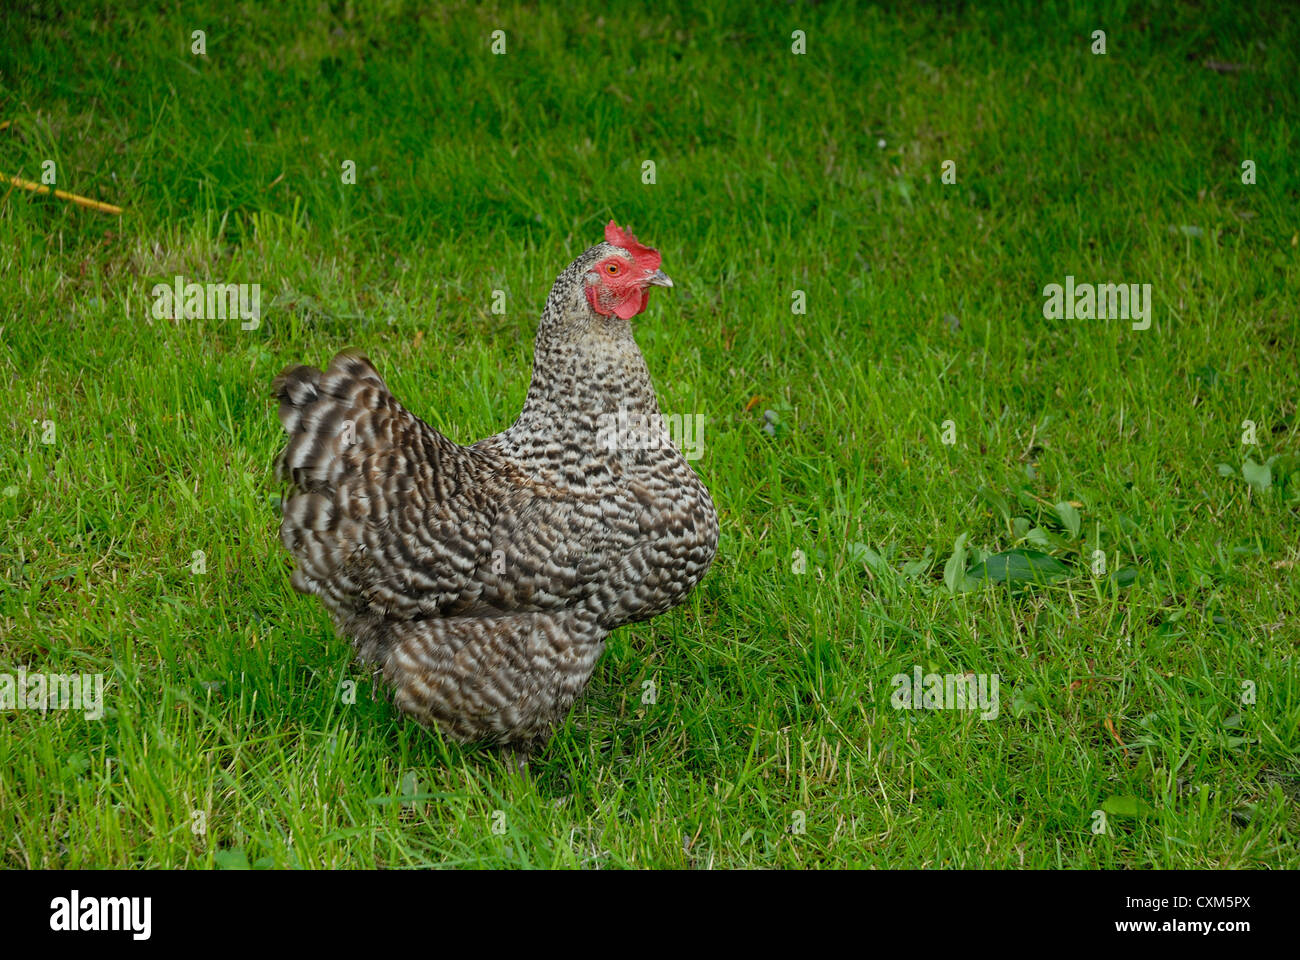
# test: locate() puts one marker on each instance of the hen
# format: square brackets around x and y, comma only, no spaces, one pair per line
[483,580]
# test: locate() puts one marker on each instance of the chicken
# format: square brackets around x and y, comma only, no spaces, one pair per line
[483,580]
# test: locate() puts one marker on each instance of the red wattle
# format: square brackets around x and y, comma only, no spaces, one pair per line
[633,304]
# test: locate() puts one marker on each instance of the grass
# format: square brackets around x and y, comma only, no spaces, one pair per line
[772,742]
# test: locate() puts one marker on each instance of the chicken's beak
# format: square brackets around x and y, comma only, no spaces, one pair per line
[659,279]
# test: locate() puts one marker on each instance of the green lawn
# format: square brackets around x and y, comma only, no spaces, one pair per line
[1162,692]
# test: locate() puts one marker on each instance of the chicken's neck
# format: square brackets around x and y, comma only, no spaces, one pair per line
[579,381]
[589,401]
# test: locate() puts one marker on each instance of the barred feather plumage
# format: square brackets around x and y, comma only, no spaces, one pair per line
[482,581]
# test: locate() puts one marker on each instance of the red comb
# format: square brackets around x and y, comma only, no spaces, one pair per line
[647,258]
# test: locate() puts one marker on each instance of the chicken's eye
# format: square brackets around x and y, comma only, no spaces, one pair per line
[611,269]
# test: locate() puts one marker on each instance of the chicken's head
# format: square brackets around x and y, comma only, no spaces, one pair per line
[618,283]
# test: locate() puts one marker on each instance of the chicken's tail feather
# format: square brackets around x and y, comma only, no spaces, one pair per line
[373,517]
[324,414]
[335,420]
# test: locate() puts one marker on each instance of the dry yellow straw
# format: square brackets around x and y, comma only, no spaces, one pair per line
[64,195]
